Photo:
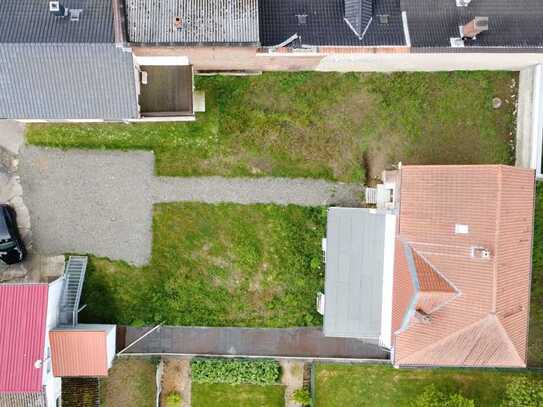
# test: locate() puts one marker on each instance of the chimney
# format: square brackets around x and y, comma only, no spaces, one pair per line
[57,9]
[475,27]
[178,23]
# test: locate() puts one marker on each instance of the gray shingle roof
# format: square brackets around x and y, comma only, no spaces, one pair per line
[202,21]
[30,21]
[66,81]
[355,249]
[512,23]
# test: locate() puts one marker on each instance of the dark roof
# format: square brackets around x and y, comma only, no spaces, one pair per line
[201,21]
[325,23]
[66,81]
[512,23]
[358,13]
[31,21]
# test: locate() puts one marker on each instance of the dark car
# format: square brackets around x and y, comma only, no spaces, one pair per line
[12,249]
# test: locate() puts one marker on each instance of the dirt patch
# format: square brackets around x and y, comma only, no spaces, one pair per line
[176,378]
[292,378]
[131,382]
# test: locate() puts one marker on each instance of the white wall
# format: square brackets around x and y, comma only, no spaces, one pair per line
[52,384]
[388,277]
[428,62]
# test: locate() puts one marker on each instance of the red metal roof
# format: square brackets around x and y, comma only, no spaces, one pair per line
[78,353]
[23,315]
[486,324]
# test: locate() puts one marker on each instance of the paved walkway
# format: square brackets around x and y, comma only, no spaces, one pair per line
[291,342]
[100,202]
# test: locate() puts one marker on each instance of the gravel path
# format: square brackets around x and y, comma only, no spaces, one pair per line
[282,191]
[100,202]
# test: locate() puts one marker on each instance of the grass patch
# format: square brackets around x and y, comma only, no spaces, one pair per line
[321,125]
[130,382]
[357,385]
[535,339]
[216,265]
[241,395]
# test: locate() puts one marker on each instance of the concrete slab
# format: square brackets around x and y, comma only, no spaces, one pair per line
[11,135]
[288,342]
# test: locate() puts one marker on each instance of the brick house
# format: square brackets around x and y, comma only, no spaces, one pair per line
[440,273]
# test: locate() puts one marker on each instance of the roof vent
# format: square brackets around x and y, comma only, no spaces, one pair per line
[480,253]
[74,14]
[178,24]
[383,18]
[423,317]
[474,27]
[302,19]
[57,9]
[462,3]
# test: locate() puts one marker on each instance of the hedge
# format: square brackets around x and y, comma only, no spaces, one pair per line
[235,371]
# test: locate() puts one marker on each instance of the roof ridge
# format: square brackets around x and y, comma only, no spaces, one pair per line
[508,339]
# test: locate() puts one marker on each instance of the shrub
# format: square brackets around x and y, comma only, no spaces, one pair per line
[235,371]
[173,399]
[302,396]
[432,397]
[523,392]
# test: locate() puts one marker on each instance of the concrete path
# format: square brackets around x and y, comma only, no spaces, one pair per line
[288,342]
[100,202]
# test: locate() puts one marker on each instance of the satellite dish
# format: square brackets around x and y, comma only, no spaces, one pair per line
[38,364]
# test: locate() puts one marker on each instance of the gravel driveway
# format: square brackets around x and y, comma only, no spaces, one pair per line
[100,202]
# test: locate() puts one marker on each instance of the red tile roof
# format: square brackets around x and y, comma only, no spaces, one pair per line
[78,353]
[486,322]
[23,315]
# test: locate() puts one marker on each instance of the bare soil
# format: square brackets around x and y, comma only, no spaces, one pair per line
[176,378]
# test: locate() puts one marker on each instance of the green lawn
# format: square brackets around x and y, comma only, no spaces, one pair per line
[240,395]
[216,265]
[130,382]
[345,127]
[535,341]
[366,385]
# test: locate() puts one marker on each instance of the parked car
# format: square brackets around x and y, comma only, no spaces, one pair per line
[12,249]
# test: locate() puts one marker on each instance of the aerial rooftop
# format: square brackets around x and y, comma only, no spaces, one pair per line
[32,21]
[219,22]
[463,262]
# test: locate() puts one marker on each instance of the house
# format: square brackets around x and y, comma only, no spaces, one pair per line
[134,60]
[42,341]
[449,273]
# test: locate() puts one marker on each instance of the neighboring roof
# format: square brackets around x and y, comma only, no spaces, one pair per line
[202,21]
[30,21]
[512,23]
[325,23]
[23,315]
[355,252]
[486,322]
[23,399]
[66,81]
[78,353]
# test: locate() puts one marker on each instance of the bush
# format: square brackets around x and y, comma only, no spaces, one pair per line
[302,396]
[432,397]
[523,392]
[235,371]
[173,399]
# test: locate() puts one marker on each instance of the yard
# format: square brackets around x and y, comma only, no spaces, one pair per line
[131,382]
[344,127]
[366,385]
[216,265]
[240,395]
